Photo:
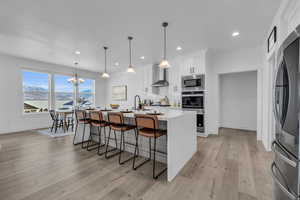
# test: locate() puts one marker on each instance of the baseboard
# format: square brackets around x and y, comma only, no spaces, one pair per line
[238,129]
[21,131]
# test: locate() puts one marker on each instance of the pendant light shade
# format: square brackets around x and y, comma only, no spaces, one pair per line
[165,63]
[105,74]
[130,68]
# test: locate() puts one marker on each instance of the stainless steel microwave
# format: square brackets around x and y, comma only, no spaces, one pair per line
[193,82]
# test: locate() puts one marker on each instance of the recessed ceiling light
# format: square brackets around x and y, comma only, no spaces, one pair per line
[178,48]
[142,57]
[117,64]
[77,52]
[236,33]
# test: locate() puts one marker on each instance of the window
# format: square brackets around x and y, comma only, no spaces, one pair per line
[35,92]
[64,92]
[86,93]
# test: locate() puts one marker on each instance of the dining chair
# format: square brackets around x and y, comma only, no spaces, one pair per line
[56,121]
[70,121]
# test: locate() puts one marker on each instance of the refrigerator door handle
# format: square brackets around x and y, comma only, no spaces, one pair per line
[281,156]
[282,187]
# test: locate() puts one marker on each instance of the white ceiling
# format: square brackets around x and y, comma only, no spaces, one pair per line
[51,30]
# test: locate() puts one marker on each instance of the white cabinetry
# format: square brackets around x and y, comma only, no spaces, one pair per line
[193,64]
[146,79]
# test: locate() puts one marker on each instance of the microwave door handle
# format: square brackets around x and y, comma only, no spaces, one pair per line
[281,156]
[280,185]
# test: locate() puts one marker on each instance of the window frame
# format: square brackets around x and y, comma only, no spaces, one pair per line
[93,90]
[49,90]
[53,96]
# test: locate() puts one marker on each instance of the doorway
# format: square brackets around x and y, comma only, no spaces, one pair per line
[238,100]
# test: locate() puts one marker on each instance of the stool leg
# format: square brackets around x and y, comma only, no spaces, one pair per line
[96,145]
[82,141]
[154,161]
[121,142]
[114,149]
[52,126]
[154,153]
[90,138]
[100,141]
[136,135]
[135,151]
[75,134]
[121,151]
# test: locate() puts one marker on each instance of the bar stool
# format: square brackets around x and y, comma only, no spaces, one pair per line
[148,126]
[81,118]
[116,120]
[97,120]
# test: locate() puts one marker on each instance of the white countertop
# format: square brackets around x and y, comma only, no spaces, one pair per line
[167,113]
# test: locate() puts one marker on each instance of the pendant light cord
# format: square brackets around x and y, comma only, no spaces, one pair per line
[165,43]
[105,62]
[130,50]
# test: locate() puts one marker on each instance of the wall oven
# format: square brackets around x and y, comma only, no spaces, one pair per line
[194,100]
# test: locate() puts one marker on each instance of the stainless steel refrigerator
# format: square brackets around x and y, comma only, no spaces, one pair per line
[285,168]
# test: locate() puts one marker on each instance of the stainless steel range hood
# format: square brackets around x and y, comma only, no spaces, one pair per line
[162,78]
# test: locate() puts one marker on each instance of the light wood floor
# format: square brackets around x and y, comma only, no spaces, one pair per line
[230,166]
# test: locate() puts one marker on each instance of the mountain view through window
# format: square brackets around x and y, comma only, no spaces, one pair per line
[36,91]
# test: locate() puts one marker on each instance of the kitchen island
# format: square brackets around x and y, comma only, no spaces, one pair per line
[180,144]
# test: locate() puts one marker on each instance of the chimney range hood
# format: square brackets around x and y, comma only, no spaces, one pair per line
[162,77]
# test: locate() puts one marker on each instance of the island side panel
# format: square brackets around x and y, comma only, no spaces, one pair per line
[182,142]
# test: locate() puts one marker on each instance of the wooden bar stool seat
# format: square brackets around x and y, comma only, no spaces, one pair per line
[117,127]
[147,132]
[116,121]
[148,126]
[97,120]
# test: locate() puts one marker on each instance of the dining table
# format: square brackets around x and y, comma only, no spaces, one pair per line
[63,114]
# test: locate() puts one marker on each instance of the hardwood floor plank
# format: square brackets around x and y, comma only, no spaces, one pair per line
[230,166]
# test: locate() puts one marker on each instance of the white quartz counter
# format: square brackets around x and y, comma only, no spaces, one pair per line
[166,115]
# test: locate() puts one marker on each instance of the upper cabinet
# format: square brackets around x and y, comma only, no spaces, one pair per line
[193,64]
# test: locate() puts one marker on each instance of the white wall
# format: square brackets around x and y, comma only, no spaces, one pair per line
[136,84]
[12,118]
[238,100]
[222,62]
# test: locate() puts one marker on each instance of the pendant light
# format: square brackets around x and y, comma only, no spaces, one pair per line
[75,80]
[130,67]
[165,63]
[105,74]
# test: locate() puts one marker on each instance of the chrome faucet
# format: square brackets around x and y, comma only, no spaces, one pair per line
[139,99]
